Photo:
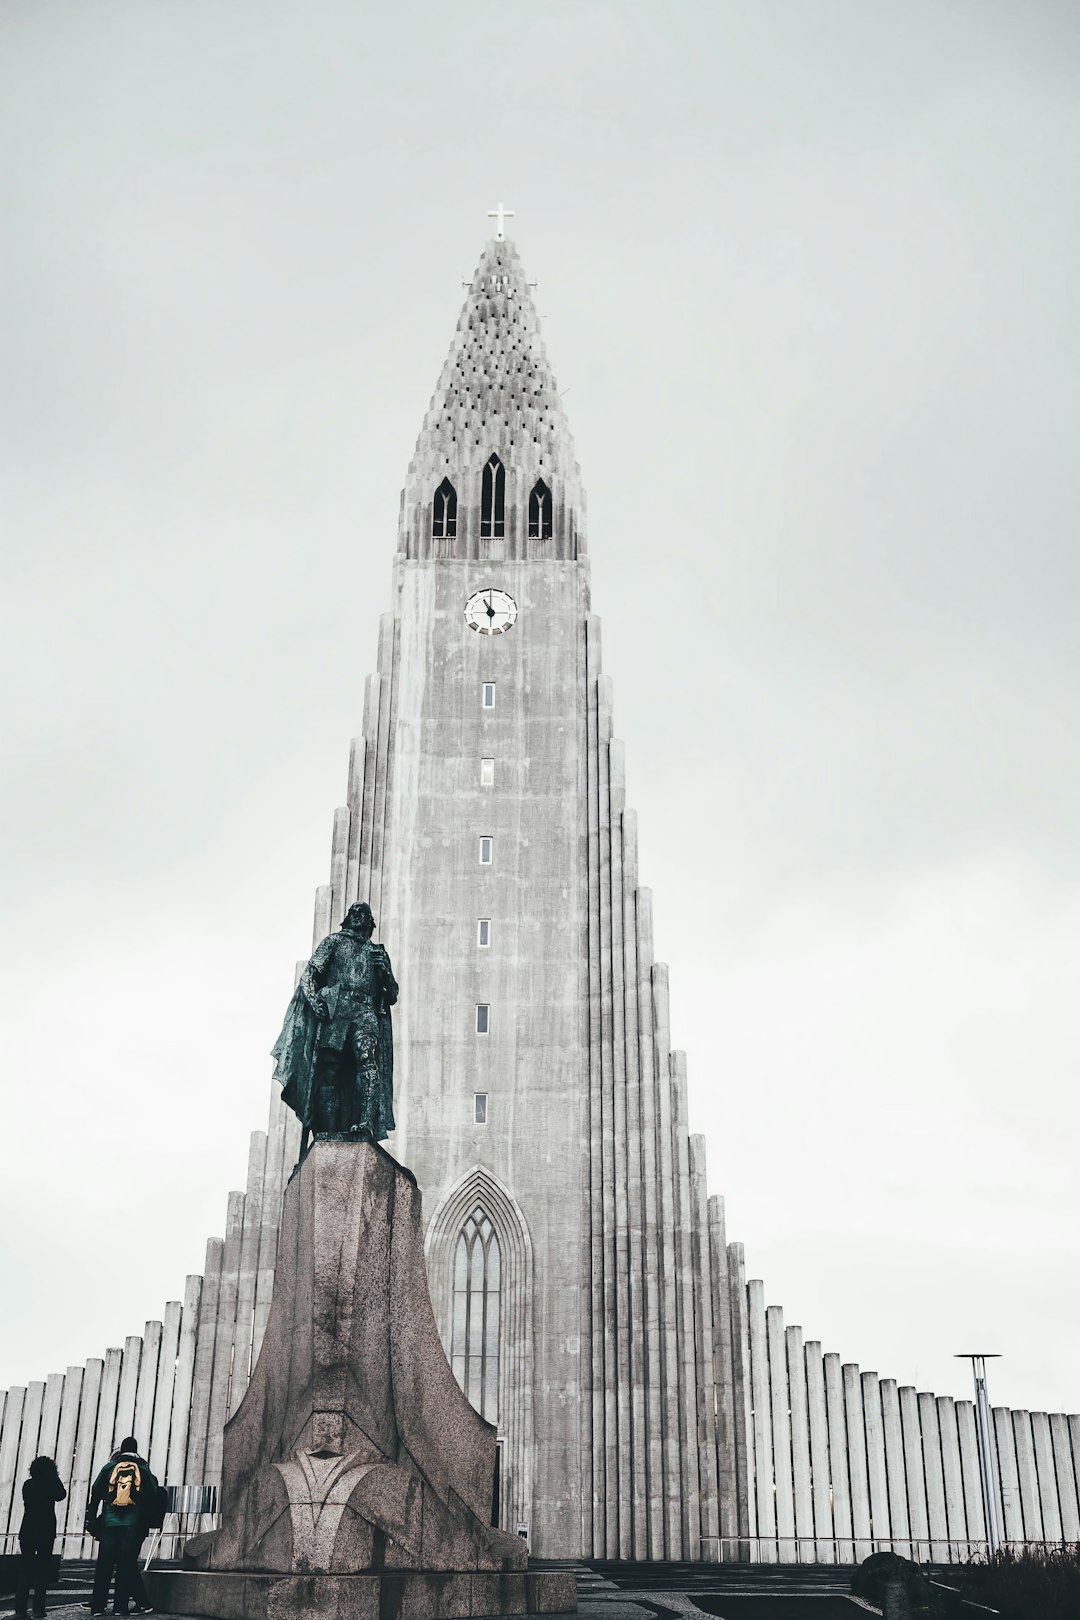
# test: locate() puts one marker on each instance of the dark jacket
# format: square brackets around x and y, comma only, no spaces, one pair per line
[40,1494]
[133,1515]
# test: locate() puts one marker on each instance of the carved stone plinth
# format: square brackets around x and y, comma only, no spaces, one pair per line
[356,1477]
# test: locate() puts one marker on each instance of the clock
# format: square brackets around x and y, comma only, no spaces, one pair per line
[490,612]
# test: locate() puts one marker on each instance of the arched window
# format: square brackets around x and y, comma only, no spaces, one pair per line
[493,501]
[444,512]
[540,511]
[475,1338]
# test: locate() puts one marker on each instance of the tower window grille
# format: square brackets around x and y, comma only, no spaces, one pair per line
[483,1018]
[475,1339]
[540,511]
[493,501]
[444,512]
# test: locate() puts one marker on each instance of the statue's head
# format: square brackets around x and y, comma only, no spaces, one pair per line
[359,920]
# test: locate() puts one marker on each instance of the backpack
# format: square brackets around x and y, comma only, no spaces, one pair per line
[125,1484]
[156,1508]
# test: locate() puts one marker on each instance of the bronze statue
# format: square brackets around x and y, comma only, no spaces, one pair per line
[335,1054]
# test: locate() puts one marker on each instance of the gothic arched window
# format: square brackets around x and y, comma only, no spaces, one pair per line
[475,1339]
[493,501]
[540,511]
[444,512]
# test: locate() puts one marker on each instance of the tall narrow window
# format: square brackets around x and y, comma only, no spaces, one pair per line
[444,512]
[485,851]
[487,773]
[540,511]
[493,501]
[483,932]
[483,1018]
[479,1111]
[487,695]
[474,1352]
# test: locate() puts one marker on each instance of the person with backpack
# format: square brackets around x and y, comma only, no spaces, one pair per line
[40,1494]
[121,1500]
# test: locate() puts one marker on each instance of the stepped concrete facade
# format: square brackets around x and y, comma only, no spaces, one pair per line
[646,1403]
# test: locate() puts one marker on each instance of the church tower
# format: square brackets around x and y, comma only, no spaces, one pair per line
[647,1402]
[538,1104]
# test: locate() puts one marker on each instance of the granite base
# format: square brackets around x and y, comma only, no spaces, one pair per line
[389,1595]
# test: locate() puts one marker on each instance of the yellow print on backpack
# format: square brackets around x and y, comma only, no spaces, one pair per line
[125,1483]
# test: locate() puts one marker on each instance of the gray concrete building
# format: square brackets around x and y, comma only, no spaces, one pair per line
[647,1403]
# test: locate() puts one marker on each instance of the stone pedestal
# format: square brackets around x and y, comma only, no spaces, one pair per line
[356,1478]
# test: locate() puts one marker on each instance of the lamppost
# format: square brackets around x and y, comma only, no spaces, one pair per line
[978,1359]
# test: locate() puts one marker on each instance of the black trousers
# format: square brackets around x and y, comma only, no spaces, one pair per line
[35,1567]
[118,1553]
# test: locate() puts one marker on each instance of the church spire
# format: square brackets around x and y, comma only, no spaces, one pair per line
[495,451]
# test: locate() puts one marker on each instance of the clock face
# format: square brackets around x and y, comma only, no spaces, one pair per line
[490,612]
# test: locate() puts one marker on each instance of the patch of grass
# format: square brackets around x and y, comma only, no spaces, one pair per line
[1040,1583]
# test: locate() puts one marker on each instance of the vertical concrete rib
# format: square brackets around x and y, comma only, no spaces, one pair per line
[860,1486]
[67,1432]
[1025,1473]
[952,1472]
[378,819]
[1045,1476]
[1012,1512]
[896,1474]
[249,1269]
[639,1325]
[838,1457]
[339,862]
[355,796]
[691,1501]
[723,1385]
[915,1474]
[669,1298]
[779,1401]
[1066,1478]
[593,1343]
[800,1444]
[742,1393]
[49,1427]
[935,1479]
[622,1481]
[28,1439]
[876,1476]
[82,1467]
[372,689]
[10,1437]
[177,1471]
[105,1436]
[129,1382]
[971,1473]
[764,1483]
[607,1130]
[146,1386]
[158,1454]
[651,1243]
[225,1336]
[817,1418]
[195,1465]
[705,1330]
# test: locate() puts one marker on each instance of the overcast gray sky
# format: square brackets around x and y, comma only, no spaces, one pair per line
[807,273]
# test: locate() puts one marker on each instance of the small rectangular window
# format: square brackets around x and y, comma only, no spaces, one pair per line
[487,773]
[483,1012]
[485,851]
[487,701]
[480,1107]
[483,931]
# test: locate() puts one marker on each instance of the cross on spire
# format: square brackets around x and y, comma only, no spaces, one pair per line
[500,215]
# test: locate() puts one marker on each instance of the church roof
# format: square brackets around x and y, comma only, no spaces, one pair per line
[497,390]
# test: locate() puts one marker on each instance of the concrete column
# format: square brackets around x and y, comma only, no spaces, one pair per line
[224,1335]
[249,1268]
[65,1460]
[651,1243]
[800,1444]
[895,1472]
[82,1467]
[384,760]
[764,1484]
[780,1401]
[952,1472]
[860,1485]
[592,1450]
[705,1330]
[742,1394]
[691,1494]
[818,1422]
[168,1350]
[916,1475]
[723,1380]
[146,1387]
[28,1440]
[1013,1517]
[355,798]
[971,1474]
[1066,1478]
[1045,1473]
[14,1402]
[49,1427]
[195,1464]
[322,923]
[339,864]
[125,1397]
[623,1480]
[1025,1473]
[639,1326]
[876,1475]
[935,1481]
[838,1458]
[183,1393]
[669,1298]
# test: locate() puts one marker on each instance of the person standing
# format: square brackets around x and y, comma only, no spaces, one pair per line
[40,1494]
[117,1515]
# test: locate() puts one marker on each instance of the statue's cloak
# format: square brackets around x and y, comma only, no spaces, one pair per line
[296,1054]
